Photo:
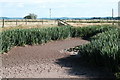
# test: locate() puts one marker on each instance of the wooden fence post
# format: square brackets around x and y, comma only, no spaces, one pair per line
[16,22]
[3,23]
[113,22]
[42,21]
[118,24]
[26,21]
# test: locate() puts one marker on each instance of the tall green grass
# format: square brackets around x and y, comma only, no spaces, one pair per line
[103,49]
[89,31]
[21,37]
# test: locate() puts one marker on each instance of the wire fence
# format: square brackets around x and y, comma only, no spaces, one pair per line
[17,22]
[86,22]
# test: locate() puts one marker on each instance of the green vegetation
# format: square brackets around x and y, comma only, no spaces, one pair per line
[87,32]
[103,49]
[31,16]
[21,37]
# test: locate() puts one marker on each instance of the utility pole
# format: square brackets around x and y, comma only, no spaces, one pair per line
[3,23]
[112,16]
[118,13]
[119,9]
[112,13]
[50,12]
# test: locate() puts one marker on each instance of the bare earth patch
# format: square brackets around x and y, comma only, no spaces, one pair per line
[47,61]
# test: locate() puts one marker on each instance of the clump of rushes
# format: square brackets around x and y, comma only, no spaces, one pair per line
[103,46]
[21,37]
[88,31]
[103,50]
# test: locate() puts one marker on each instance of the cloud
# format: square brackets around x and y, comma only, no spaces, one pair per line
[33,1]
[21,5]
[12,4]
[59,7]
[64,1]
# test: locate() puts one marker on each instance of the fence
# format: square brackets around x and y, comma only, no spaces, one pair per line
[94,21]
[17,22]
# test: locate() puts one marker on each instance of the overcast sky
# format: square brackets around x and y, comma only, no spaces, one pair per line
[59,8]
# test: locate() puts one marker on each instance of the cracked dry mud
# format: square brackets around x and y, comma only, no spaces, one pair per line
[45,61]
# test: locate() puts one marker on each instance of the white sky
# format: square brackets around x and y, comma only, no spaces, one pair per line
[60,8]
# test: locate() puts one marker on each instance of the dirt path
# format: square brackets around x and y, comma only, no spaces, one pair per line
[45,61]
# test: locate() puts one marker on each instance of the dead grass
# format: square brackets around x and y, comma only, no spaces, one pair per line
[87,24]
[26,27]
[22,24]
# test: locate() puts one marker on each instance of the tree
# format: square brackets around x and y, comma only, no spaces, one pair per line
[31,16]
